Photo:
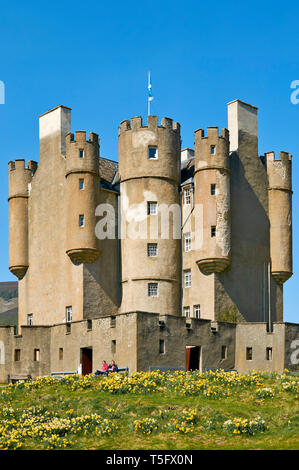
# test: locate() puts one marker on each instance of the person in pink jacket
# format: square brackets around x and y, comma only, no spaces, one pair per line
[103,370]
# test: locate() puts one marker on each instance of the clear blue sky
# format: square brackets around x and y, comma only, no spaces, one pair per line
[94,57]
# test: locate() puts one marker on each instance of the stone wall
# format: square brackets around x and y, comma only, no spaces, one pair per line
[133,340]
[257,337]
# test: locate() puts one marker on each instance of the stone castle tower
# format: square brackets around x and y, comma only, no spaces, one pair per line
[149,167]
[229,246]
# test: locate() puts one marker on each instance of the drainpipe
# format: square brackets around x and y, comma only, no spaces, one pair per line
[269,298]
[182,241]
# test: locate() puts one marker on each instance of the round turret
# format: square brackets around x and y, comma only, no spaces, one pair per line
[280,214]
[149,159]
[18,193]
[82,187]
[212,193]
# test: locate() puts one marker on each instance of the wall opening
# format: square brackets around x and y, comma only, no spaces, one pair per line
[161,346]
[223,352]
[36,356]
[86,360]
[193,361]
[269,354]
[17,355]
[60,354]
[249,354]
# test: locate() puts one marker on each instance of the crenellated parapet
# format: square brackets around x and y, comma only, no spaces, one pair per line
[82,154]
[212,150]
[212,194]
[279,171]
[152,123]
[19,179]
[135,141]
[280,214]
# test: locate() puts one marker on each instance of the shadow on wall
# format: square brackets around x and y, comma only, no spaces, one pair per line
[245,283]
[100,292]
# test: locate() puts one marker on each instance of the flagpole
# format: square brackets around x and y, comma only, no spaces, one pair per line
[148,98]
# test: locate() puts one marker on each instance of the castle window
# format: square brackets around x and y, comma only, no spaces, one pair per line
[187,239]
[81,184]
[36,356]
[223,352]
[187,277]
[17,355]
[213,231]
[113,346]
[81,153]
[196,311]
[186,312]
[213,189]
[89,325]
[213,149]
[269,354]
[153,289]
[69,314]
[152,153]
[161,346]
[187,196]
[30,319]
[81,220]
[152,249]
[249,354]
[112,321]
[152,208]
[60,354]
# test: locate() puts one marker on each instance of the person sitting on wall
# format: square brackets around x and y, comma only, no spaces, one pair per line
[104,369]
[112,367]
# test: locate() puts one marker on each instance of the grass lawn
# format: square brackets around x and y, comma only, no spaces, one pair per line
[152,411]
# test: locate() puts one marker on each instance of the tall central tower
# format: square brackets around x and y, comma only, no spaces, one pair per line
[149,159]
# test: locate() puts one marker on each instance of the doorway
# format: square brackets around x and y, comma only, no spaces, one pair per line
[193,358]
[86,360]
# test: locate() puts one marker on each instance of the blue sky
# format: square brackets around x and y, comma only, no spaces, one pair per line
[94,57]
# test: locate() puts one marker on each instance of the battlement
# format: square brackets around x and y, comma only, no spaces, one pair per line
[283,157]
[81,137]
[211,150]
[152,123]
[20,176]
[279,171]
[19,165]
[82,155]
[212,132]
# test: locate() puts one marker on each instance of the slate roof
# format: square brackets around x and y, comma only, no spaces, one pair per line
[108,169]
[110,176]
[187,170]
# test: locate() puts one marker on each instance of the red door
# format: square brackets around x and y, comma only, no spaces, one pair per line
[86,361]
[188,354]
[192,358]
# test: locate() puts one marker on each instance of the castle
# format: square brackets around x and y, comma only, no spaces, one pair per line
[145,261]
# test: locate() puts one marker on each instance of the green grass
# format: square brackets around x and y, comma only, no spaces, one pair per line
[279,413]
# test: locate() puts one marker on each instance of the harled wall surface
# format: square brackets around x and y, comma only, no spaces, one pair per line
[133,341]
[53,281]
[245,284]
